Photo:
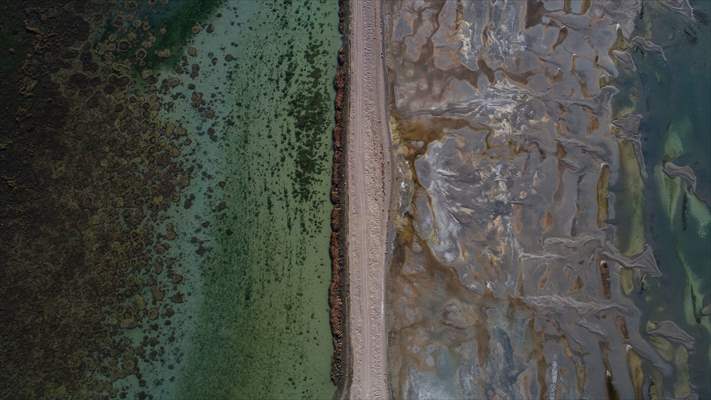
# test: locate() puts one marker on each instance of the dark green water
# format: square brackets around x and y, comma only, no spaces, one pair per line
[674,98]
[260,312]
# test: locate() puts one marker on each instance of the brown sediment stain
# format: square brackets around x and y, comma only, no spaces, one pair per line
[605,278]
[517,211]
[584,6]
[577,284]
[484,67]
[571,354]
[562,34]
[612,393]
[622,326]
[594,122]
[465,74]
[405,231]
[534,12]
[562,165]
[630,201]
[420,130]
[521,78]
[567,7]
[547,222]
[581,375]
[338,288]
[636,373]
[485,36]
[481,334]
[602,194]
[538,356]
[459,18]
[560,151]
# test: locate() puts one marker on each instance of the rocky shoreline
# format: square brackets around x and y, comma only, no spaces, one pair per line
[338,290]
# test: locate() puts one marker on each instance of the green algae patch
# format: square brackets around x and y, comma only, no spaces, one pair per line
[700,211]
[630,202]
[602,195]
[678,130]
[670,192]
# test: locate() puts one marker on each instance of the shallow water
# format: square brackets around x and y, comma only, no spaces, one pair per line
[169,234]
[262,328]
[673,98]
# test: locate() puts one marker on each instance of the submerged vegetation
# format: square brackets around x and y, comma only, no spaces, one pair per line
[164,180]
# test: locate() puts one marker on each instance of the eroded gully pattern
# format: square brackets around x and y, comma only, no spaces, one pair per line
[507,281]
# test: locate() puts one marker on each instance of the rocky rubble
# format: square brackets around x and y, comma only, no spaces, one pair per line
[338,288]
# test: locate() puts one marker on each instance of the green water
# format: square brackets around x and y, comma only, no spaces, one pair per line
[253,243]
[674,97]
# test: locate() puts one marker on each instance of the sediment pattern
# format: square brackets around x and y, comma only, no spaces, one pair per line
[507,280]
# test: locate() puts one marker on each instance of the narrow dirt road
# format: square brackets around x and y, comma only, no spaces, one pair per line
[368,199]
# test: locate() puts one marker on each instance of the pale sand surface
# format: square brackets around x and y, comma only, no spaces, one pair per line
[368,197]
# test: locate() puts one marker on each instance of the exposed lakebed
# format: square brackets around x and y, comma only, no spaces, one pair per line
[552,162]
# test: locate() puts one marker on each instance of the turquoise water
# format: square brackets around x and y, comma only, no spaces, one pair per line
[673,97]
